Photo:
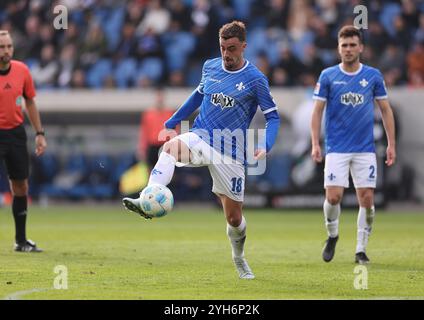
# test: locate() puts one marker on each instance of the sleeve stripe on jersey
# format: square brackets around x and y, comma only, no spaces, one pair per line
[381,97]
[319,98]
[198,90]
[269,110]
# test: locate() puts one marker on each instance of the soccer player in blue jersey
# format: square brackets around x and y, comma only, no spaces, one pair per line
[348,91]
[229,93]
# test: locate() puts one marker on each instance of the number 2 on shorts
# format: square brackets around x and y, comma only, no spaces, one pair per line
[372,172]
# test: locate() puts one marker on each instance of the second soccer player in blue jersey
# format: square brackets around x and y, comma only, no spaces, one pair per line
[347,91]
[229,94]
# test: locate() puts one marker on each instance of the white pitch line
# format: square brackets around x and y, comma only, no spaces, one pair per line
[17,295]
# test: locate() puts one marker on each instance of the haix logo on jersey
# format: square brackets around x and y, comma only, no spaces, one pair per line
[222,100]
[352,98]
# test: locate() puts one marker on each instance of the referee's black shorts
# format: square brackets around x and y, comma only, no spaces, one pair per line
[152,155]
[14,152]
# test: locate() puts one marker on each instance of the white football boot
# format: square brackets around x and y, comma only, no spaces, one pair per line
[134,206]
[243,268]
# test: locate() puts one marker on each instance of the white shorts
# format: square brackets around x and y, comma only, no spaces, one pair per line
[362,166]
[227,174]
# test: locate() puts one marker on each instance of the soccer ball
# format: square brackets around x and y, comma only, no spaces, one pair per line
[156,200]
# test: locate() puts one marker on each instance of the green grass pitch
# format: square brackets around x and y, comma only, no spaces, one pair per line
[110,253]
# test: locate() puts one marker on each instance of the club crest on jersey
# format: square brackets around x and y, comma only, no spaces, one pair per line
[222,100]
[363,83]
[240,86]
[352,98]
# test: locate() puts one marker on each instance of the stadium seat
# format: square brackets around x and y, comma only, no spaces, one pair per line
[113,25]
[178,46]
[242,9]
[125,73]
[100,177]
[387,15]
[72,182]
[151,69]
[42,172]
[194,74]
[261,42]
[298,45]
[276,176]
[31,62]
[98,73]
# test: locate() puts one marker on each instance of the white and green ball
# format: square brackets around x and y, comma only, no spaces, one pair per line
[156,200]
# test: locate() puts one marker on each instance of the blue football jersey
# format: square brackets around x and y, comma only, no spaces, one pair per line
[230,100]
[349,115]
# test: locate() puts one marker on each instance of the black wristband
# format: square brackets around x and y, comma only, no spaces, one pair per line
[40,133]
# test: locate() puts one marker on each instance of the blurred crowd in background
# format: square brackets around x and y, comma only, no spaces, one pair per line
[143,43]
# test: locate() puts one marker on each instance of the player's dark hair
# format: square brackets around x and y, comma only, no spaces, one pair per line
[233,29]
[350,31]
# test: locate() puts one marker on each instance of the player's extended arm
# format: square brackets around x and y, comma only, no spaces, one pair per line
[389,126]
[271,132]
[272,124]
[316,153]
[188,107]
[34,118]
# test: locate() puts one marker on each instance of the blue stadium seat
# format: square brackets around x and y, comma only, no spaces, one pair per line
[178,46]
[30,62]
[112,26]
[194,75]
[43,171]
[125,73]
[150,68]
[77,16]
[298,46]
[328,56]
[276,176]
[278,171]
[100,177]
[242,9]
[98,73]
[74,185]
[390,10]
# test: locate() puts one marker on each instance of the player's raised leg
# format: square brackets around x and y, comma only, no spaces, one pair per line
[162,173]
[236,231]
[365,219]
[333,197]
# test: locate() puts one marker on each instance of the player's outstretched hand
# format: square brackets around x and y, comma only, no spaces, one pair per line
[40,145]
[316,154]
[390,156]
[259,154]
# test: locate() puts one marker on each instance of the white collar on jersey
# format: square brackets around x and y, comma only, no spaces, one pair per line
[237,71]
[350,73]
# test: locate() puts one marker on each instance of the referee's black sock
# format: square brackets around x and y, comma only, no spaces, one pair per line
[19,209]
